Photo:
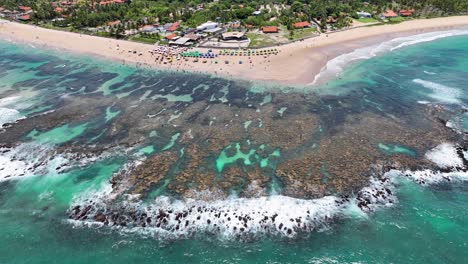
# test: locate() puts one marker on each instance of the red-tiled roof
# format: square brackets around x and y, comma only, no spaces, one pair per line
[108,2]
[58,9]
[24,8]
[173,27]
[25,17]
[301,24]
[390,13]
[407,12]
[270,29]
[171,36]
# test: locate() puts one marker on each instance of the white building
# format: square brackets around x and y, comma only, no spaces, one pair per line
[364,14]
[207,26]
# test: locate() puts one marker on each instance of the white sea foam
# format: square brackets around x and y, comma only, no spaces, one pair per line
[34,159]
[427,177]
[336,65]
[440,92]
[445,156]
[423,102]
[8,115]
[227,218]
[427,37]
[8,100]
[243,218]
[27,160]
[430,73]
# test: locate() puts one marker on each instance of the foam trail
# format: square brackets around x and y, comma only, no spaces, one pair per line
[428,37]
[335,66]
[430,73]
[441,92]
[445,156]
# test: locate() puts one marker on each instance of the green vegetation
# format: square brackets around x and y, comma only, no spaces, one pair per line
[103,34]
[145,38]
[259,40]
[367,20]
[396,20]
[53,26]
[303,33]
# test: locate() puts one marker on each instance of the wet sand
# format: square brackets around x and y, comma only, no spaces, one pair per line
[296,64]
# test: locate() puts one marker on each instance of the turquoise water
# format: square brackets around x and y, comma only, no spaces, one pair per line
[428,224]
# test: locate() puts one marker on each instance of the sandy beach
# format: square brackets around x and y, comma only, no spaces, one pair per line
[296,63]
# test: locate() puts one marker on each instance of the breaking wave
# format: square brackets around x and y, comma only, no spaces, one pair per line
[250,218]
[442,93]
[236,218]
[8,115]
[35,159]
[29,159]
[335,66]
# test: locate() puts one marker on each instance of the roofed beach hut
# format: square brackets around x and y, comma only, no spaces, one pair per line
[303,24]
[406,13]
[270,29]
[390,14]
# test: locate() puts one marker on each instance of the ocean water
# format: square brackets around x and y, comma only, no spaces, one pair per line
[51,97]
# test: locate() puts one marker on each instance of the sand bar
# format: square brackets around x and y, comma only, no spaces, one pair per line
[297,63]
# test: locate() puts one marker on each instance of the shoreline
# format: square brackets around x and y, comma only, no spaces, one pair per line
[297,63]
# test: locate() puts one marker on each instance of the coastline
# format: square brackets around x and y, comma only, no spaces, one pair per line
[297,63]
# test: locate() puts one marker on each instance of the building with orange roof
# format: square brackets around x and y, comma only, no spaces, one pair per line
[171,36]
[270,29]
[24,18]
[174,27]
[25,8]
[301,24]
[406,13]
[389,14]
[109,2]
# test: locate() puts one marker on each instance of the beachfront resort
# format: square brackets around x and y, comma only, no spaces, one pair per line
[217,24]
[206,33]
